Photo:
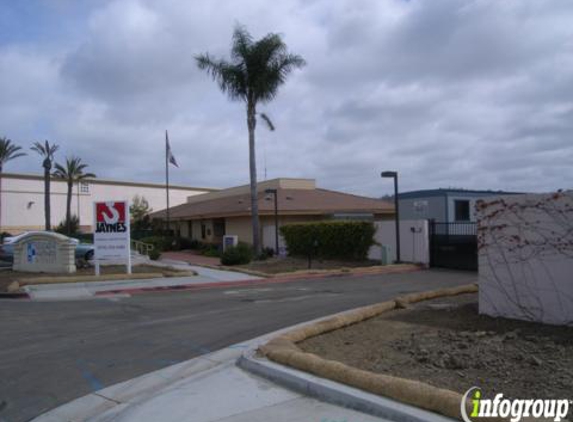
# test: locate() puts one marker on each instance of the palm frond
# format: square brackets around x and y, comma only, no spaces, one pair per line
[72,170]
[46,149]
[229,77]
[242,42]
[256,69]
[268,121]
[9,151]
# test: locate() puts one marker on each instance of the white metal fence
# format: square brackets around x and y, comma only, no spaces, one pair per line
[414,243]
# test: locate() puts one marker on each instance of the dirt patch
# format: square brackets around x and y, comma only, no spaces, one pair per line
[446,343]
[8,276]
[290,264]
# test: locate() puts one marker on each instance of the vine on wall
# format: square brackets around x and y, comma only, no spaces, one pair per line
[525,246]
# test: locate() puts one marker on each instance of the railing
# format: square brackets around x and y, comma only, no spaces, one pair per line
[453,245]
[453,229]
[141,247]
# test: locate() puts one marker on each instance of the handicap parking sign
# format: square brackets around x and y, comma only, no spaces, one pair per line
[31,252]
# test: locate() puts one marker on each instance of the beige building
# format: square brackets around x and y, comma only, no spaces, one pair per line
[22,199]
[210,216]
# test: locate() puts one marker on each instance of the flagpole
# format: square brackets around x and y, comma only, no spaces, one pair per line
[167,177]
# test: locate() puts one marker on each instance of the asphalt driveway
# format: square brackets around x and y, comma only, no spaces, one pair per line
[52,352]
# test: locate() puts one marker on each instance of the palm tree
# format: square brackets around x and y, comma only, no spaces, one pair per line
[253,75]
[46,151]
[8,152]
[72,172]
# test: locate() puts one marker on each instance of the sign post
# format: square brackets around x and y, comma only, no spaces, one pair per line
[112,233]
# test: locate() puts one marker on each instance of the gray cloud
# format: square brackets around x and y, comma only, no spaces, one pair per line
[472,94]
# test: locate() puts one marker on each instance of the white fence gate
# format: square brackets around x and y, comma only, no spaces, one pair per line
[414,241]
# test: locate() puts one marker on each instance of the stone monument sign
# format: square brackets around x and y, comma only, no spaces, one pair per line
[44,252]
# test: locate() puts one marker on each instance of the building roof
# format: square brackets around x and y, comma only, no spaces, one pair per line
[99,181]
[303,200]
[427,193]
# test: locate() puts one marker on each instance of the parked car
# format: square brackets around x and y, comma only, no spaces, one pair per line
[83,250]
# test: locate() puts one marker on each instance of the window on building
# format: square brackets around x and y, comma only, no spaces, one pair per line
[219,227]
[84,187]
[203,230]
[420,207]
[462,210]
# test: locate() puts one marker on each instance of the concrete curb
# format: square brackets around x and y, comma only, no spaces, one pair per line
[120,395]
[374,269]
[147,385]
[14,295]
[104,277]
[235,283]
[242,283]
[335,393]
[283,350]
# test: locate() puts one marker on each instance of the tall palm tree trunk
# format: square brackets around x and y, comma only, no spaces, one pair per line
[1,180]
[69,208]
[47,197]
[251,123]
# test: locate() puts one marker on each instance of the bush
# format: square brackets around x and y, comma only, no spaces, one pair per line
[62,228]
[266,253]
[160,243]
[210,249]
[154,254]
[84,237]
[348,240]
[237,255]
[187,243]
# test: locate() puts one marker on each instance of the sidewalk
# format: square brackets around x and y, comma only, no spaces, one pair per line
[205,276]
[192,258]
[212,388]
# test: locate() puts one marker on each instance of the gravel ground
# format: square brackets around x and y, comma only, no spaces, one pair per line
[446,343]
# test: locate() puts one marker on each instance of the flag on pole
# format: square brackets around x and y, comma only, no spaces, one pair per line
[170,156]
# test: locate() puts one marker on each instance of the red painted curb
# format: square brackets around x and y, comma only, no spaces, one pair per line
[242,283]
[15,295]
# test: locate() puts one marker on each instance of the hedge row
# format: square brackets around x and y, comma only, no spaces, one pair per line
[330,239]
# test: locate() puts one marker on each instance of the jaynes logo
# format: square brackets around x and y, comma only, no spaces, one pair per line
[110,217]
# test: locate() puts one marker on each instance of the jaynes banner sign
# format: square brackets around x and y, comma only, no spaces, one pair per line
[111,232]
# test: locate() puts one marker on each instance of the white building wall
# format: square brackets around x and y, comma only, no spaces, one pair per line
[525,245]
[22,206]
[414,243]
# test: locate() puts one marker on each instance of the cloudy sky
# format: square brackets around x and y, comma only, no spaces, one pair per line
[451,93]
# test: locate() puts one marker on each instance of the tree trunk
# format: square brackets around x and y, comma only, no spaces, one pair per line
[69,208]
[1,169]
[251,123]
[47,197]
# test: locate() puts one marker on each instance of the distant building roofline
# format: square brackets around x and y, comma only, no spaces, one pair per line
[99,181]
[427,193]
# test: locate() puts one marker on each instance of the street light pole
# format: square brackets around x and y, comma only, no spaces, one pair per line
[394,175]
[275,194]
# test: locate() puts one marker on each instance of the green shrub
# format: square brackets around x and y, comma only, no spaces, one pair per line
[348,240]
[154,254]
[160,243]
[84,237]
[266,253]
[237,255]
[187,243]
[62,228]
[210,249]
